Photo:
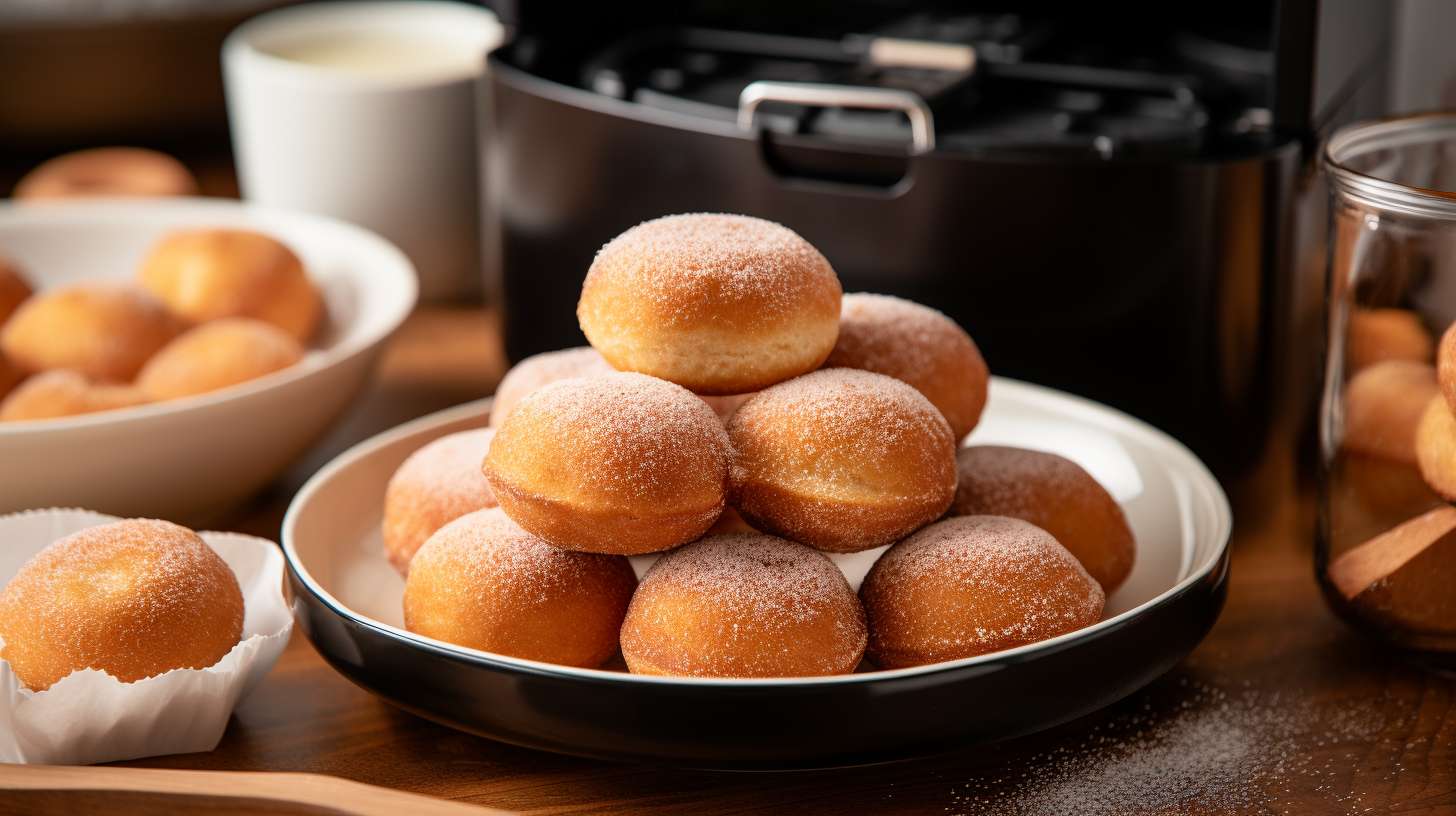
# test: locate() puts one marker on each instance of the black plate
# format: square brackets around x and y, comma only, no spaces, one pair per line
[1170,602]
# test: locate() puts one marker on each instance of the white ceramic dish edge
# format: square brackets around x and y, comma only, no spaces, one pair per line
[1199,483]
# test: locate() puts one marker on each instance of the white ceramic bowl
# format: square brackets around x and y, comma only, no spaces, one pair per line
[347,598]
[193,458]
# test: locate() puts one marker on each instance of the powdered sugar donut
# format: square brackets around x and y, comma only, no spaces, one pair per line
[744,605]
[1055,494]
[620,463]
[484,583]
[972,585]
[720,304]
[917,345]
[842,460]
[543,369]
[437,484]
[133,598]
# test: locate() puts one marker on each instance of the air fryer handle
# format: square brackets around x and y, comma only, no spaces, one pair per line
[813,94]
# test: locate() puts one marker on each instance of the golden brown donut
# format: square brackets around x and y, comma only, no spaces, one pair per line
[107,172]
[1383,405]
[206,274]
[63,393]
[105,331]
[133,598]
[484,583]
[1446,365]
[720,304]
[971,585]
[1055,494]
[437,484]
[1376,335]
[14,289]
[842,460]
[619,463]
[543,369]
[1436,447]
[216,355]
[918,345]
[744,605]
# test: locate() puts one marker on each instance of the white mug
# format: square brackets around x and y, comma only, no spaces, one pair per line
[366,111]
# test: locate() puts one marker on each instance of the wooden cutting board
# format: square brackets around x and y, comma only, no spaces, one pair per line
[62,789]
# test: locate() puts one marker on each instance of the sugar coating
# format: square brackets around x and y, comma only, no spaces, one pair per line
[1055,494]
[744,605]
[485,549]
[1188,746]
[622,436]
[997,582]
[438,483]
[483,582]
[134,598]
[885,333]
[840,441]
[696,267]
[917,345]
[1020,474]
[542,369]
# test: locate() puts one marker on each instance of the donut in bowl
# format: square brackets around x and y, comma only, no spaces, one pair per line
[216,355]
[106,331]
[207,274]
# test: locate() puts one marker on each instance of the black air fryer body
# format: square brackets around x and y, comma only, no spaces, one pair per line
[1106,205]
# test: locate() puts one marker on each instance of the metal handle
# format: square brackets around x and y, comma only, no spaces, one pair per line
[922,123]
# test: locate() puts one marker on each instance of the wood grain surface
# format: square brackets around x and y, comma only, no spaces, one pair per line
[1281,710]
[45,789]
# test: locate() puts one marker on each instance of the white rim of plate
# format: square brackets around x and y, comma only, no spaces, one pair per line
[1205,486]
[394,263]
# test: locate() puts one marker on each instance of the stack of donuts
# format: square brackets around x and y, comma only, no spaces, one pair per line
[739,415]
[211,308]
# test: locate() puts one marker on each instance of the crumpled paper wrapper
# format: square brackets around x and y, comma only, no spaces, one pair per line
[90,716]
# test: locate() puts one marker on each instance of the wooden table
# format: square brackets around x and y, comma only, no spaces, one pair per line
[1352,729]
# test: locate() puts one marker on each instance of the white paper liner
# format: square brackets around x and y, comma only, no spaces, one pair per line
[90,716]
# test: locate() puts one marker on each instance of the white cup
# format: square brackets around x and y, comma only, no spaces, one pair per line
[326,118]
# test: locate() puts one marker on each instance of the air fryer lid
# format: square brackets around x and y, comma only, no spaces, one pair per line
[929,78]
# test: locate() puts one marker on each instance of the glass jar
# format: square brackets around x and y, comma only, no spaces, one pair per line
[1386,542]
